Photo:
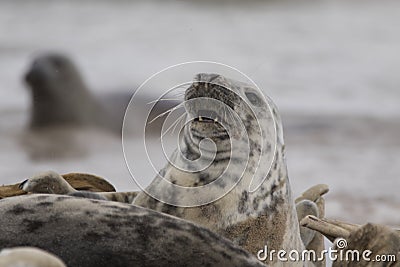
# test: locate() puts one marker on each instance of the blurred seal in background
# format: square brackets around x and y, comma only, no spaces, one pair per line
[60,97]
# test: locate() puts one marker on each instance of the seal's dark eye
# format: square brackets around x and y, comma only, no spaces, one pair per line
[253,98]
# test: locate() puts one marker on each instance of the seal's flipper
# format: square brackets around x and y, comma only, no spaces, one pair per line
[310,203]
[313,193]
[380,240]
[304,208]
[315,196]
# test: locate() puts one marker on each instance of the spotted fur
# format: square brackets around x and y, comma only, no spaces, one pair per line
[237,214]
[94,233]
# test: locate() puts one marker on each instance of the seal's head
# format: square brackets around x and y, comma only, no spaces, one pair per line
[235,116]
[48,182]
[223,96]
[52,70]
[228,144]
[216,102]
[59,94]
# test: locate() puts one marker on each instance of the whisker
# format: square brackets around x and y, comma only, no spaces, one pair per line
[182,123]
[179,94]
[166,112]
[169,93]
[172,125]
[163,99]
[177,88]
[180,120]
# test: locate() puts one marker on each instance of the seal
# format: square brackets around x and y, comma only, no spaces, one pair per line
[95,233]
[47,182]
[79,181]
[375,238]
[254,219]
[250,217]
[265,217]
[61,97]
[28,257]
[57,86]
[51,182]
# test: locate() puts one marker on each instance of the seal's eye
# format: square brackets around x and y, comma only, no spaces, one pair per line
[253,98]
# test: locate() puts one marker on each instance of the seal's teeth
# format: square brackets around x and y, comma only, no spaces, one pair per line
[216,119]
[200,118]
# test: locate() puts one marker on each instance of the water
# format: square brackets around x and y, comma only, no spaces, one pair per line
[330,66]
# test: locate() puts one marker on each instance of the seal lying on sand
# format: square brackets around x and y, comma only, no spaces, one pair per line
[41,184]
[379,239]
[94,233]
[61,97]
[51,182]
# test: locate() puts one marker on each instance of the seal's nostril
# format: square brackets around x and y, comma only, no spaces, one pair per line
[21,185]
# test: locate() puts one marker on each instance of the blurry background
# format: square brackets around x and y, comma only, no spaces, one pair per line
[332,68]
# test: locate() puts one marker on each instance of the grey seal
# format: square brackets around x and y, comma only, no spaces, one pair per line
[375,244]
[43,183]
[50,182]
[61,97]
[266,216]
[94,233]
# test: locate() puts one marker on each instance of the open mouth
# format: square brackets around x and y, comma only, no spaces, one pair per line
[207,116]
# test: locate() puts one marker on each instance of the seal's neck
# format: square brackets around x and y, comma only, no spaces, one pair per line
[273,200]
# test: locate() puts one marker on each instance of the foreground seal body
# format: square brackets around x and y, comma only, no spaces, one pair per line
[60,97]
[94,233]
[266,216]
